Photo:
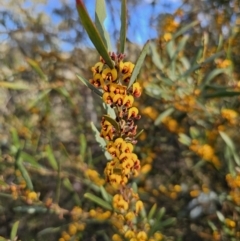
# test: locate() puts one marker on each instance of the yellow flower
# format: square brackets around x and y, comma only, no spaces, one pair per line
[109,74]
[142,235]
[230,223]
[133,112]
[97,67]
[128,101]
[158,236]
[138,206]
[116,237]
[129,234]
[129,217]
[167,36]
[137,90]
[126,67]
[146,168]
[72,229]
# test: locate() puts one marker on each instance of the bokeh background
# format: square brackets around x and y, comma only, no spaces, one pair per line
[190,115]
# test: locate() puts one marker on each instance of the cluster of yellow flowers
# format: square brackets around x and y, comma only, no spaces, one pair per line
[186,103]
[206,152]
[172,125]
[120,136]
[234,184]
[76,226]
[230,115]
[128,207]
[120,97]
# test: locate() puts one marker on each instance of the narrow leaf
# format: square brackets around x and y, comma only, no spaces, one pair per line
[18,85]
[227,140]
[83,145]
[93,88]
[185,28]
[138,134]
[110,110]
[98,201]
[123,30]
[37,68]
[100,16]
[211,76]
[219,94]
[138,65]
[22,169]
[30,159]
[168,222]
[49,230]
[163,115]
[98,138]
[107,197]
[152,211]
[100,141]
[184,139]
[93,33]
[14,231]
[51,158]
[155,56]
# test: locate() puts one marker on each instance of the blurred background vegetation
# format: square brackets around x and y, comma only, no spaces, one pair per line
[190,115]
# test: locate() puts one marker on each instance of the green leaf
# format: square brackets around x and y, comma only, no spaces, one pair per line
[138,134]
[219,94]
[212,225]
[139,63]
[18,85]
[211,76]
[14,231]
[168,222]
[135,187]
[51,158]
[90,86]
[123,30]
[161,212]
[184,139]
[93,33]
[152,211]
[98,138]
[22,169]
[110,110]
[37,68]
[154,91]
[155,56]
[199,65]
[113,122]
[30,159]
[68,185]
[98,201]
[49,230]
[170,49]
[220,216]
[100,141]
[100,16]
[194,132]
[83,145]
[180,46]
[231,146]
[15,138]
[185,28]
[163,115]
[31,209]
[106,196]
[38,98]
